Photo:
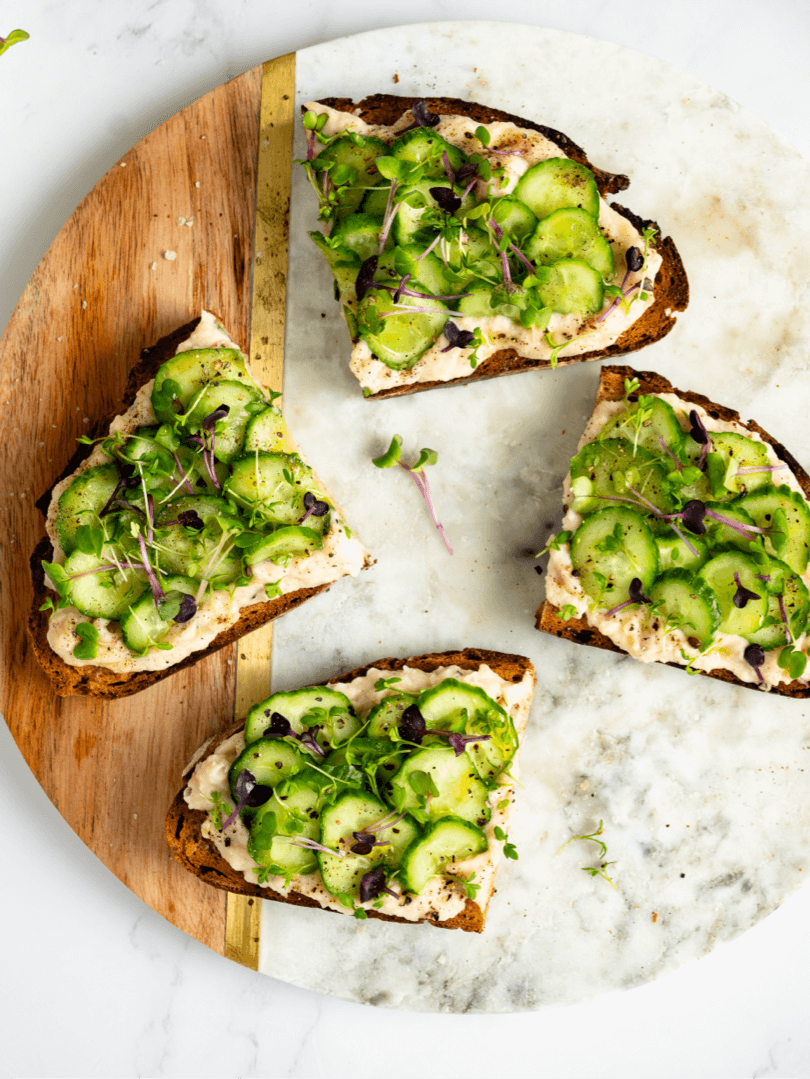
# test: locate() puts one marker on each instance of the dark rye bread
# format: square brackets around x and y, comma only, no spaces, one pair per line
[671,286]
[198,856]
[611,388]
[93,681]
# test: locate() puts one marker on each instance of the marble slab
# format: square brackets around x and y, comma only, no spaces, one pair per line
[704,789]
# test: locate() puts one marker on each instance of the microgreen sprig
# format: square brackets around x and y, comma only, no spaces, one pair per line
[595,871]
[416,471]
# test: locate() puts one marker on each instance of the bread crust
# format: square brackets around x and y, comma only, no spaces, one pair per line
[672,285]
[611,388]
[198,856]
[95,681]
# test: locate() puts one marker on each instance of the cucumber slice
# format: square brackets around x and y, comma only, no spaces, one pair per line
[461,790]
[242,401]
[610,469]
[192,372]
[687,603]
[265,432]
[433,854]
[468,710]
[303,708]
[289,540]
[730,452]
[788,586]
[359,153]
[360,233]
[571,233]
[571,287]
[291,813]
[414,202]
[353,813]
[785,513]
[270,760]
[426,272]
[674,554]
[515,219]
[719,573]
[185,551]
[423,146]
[648,423]
[557,182]
[477,303]
[399,339]
[101,594]
[721,535]
[275,485]
[609,549]
[142,627]
[376,199]
[387,714]
[81,503]
[467,247]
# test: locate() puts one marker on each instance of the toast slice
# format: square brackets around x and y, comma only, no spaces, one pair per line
[582,629]
[96,680]
[511,350]
[188,830]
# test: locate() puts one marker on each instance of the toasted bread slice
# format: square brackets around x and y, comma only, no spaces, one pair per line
[611,388]
[97,681]
[671,292]
[184,826]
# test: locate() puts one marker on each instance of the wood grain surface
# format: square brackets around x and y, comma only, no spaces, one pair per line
[103,291]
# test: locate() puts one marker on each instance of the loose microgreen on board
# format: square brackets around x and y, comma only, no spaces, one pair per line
[595,871]
[416,471]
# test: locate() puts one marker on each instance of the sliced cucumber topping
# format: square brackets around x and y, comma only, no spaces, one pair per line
[609,470]
[785,516]
[388,713]
[317,706]
[571,287]
[265,432]
[461,791]
[287,541]
[270,761]
[279,825]
[685,602]
[354,813]
[99,592]
[728,575]
[673,553]
[423,146]
[609,550]
[81,503]
[652,424]
[186,379]
[358,153]
[396,335]
[555,183]
[788,607]
[571,233]
[434,853]
[144,625]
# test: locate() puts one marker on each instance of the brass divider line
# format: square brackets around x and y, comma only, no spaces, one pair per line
[269,298]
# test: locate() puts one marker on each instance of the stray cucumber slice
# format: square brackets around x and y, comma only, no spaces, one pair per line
[571,233]
[557,182]
[686,603]
[608,550]
[434,853]
[723,574]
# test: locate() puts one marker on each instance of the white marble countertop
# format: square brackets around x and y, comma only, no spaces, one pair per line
[96,984]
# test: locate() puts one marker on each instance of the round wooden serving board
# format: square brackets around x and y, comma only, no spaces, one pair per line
[104,290]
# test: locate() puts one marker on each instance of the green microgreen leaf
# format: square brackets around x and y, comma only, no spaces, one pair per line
[385,683]
[594,838]
[391,455]
[87,648]
[566,613]
[13,38]
[360,914]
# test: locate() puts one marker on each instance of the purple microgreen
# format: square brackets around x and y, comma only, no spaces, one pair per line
[459,741]
[390,213]
[184,480]
[243,787]
[457,338]
[186,611]
[469,187]
[743,594]
[446,199]
[213,417]
[365,843]
[698,432]
[280,726]
[373,884]
[308,739]
[312,844]
[191,519]
[157,592]
[667,450]
[114,496]
[365,278]
[740,527]
[509,153]
[754,656]
[636,596]
[422,114]
[388,821]
[398,294]
[634,259]
[532,269]
[783,612]
[447,167]
[412,725]
[429,248]
[759,468]
[693,514]
[313,506]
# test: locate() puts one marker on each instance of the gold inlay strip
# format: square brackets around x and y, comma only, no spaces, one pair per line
[271,242]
